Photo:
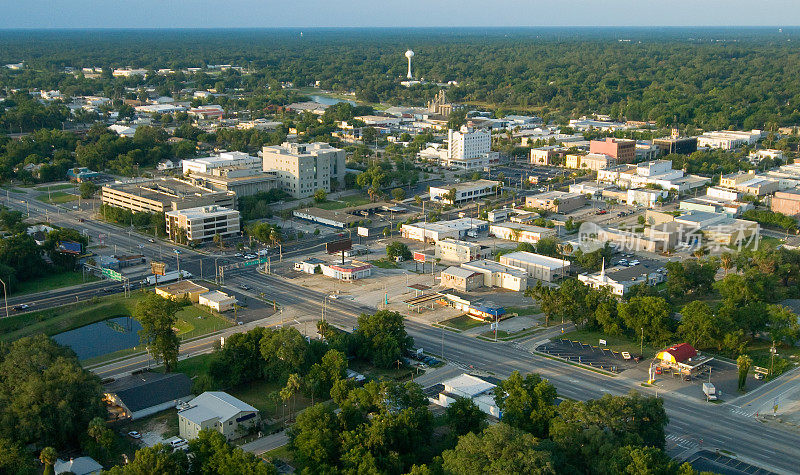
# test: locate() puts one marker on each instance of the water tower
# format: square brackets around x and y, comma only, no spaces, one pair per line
[409,55]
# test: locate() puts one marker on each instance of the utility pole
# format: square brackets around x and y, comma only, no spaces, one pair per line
[5,295]
[641,344]
[178,260]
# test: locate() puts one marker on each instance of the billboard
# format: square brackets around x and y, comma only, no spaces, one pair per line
[158,268]
[363,231]
[338,246]
[69,247]
[420,257]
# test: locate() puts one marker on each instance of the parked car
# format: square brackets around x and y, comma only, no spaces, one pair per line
[177,442]
[134,434]
[244,287]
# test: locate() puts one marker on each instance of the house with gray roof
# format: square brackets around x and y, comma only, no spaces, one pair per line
[216,410]
[143,394]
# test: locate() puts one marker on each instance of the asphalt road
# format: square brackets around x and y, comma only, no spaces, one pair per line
[693,423]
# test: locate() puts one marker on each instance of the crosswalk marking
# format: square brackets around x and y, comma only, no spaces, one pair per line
[742,412]
[682,442]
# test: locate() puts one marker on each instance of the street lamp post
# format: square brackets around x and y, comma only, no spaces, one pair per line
[178,261]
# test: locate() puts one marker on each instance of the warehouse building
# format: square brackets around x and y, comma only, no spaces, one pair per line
[537,266]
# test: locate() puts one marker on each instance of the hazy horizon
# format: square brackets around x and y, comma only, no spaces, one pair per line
[203,14]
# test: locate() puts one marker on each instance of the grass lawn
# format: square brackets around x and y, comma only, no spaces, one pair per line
[385,263]
[354,200]
[194,366]
[382,374]
[52,281]
[57,197]
[616,343]
[463,322]
[281,453]
[59,187]
[522,311]
[194,321]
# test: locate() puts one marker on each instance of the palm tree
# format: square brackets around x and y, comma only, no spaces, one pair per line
[48,457]
[275,236]
[288,392]
[726,262]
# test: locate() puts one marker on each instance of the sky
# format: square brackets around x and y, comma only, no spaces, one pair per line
[393,13]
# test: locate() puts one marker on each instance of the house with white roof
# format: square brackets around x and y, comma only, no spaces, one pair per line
[480,391]
[216,410]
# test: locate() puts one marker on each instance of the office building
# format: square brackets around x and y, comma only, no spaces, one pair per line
[546,155]
[466,191]
[240,181]
[302,169]
[656,172]
[590,161]
[469,149]
[646,197]
[646,151]
[162,195]
[452,251]
[676,144]
[623,150]
[201,224]
[537,266]
[556,201]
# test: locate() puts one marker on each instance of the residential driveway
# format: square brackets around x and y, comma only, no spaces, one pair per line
[150,439]
[266,443]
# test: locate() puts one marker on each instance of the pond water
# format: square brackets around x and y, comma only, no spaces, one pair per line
[103,337]
[329,101]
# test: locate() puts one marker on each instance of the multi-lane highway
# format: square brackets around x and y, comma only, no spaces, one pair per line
[693,423]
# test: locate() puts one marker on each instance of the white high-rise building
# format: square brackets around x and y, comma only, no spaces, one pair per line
[470,148]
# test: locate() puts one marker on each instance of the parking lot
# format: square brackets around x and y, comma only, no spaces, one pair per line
[594,356]
[707,461]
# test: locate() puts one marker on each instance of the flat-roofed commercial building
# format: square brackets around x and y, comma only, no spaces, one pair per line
[202,223]
[680,145]
[180,290]
[499,275]
[452,251]
[624,150]
[302,169]
[224,160]
[241,181]
[469,190]
[519,232]
[537,266]
[162,195]
[434,232]
[461,279]
[556,201]
[787,202]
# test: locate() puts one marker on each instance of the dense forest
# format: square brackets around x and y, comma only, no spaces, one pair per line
[709,78]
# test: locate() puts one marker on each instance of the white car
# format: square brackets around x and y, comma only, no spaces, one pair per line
[134,435]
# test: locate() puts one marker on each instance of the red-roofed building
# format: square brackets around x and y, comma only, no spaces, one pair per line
[679,353]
